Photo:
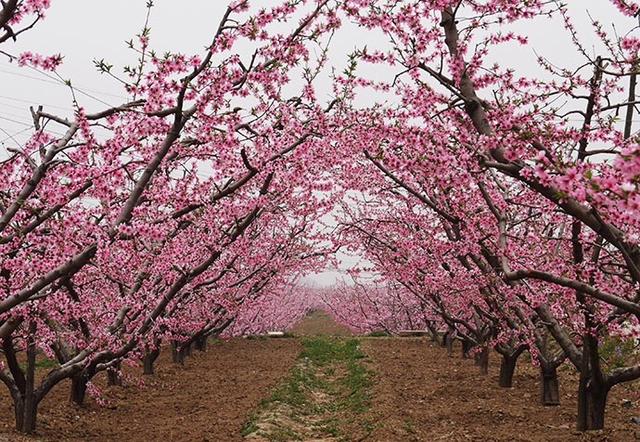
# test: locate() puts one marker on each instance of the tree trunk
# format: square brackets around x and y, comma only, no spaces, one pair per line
[445,339]
[482,359]
[466,348]
[177,353]
[149,360]
[78,389]
[27,407]
[18,408]
[433,332]
[114,377]
[592,401]
[201,343]
[449,343]
[549,387]
[26,412]
[507,369]
[174,351]
[593,388]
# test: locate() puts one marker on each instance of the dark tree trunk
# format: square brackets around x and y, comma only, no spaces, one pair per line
[179,357]
[466,348]
[201,343]
[433,332]
[507,369]
[30,413]
[114,377]
[26,408]
[592,401]
[445,339]
[26,412]
[78,389]
[482,359]
[177,353]
[593,388]
[449,343]
[149,360]
[18,408]
[549,386]
[174,351]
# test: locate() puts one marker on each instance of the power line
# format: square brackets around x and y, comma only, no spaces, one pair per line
[28,125]
[10,136]
[81,91]
[13,106]
[33,102]
[59,82]
[14,134]
[15,121]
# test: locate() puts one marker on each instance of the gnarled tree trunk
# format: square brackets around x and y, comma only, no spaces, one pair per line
[149,359]
[593,387]
[466,348]
[26,413]
[482,359]
[510,354]
[27,408]
[114,375]
[78,388]
[448,340]
[592,402]
[549,386]
[507,369]
[177,353]
[201,343]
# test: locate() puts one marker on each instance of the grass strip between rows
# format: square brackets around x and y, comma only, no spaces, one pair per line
[327,390]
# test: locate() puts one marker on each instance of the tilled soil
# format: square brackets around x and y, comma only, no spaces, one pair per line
[420,394]
[207,400]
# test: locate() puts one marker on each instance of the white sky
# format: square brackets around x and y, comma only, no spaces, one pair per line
[84,30]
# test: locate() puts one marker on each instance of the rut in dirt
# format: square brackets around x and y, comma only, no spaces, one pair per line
[325,396]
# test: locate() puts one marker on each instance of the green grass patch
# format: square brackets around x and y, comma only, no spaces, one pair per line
[328,386]
[294,391]
[249,427]
[255,337]
[283,435]
[409,426]
[322,351]
[44,363]
[358,382]
[378,334]
[617,352]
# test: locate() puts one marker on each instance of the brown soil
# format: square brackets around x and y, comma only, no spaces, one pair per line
[422,395]
[319,323]
[207,400]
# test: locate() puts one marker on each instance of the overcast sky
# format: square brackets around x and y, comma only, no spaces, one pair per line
[84,30]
